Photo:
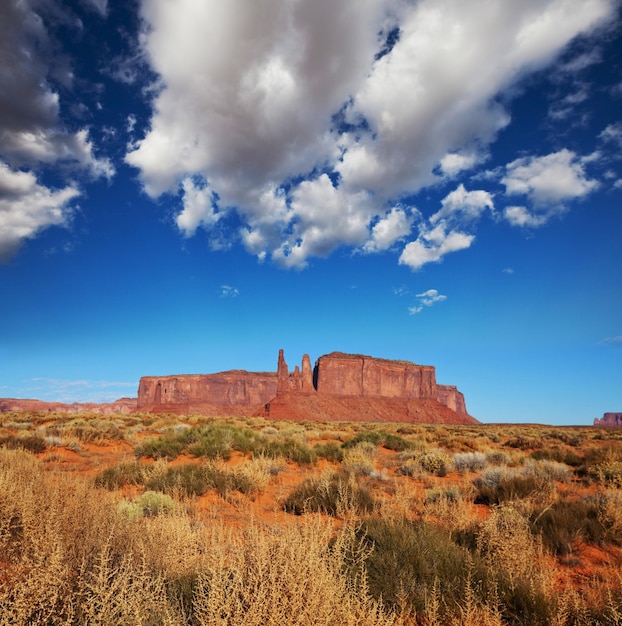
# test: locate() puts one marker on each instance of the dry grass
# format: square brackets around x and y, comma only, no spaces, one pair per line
[477,525]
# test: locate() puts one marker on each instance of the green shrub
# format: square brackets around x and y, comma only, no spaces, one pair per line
[449,494]
[330,451]
[498,485]
[521,442]
[148,504]
[561,455]
[379,438]
[289,449]
[213,442]
[332,494]
[164,447]
[194,479]
[31,443]
[190,479]
[409,562]
[115,477]
[565,522]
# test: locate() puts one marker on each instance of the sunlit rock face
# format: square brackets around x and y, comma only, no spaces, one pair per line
[340,386]
[235,388]
[354,387]
[609,419]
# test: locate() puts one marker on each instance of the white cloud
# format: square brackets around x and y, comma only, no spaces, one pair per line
[508,270]
[520,216]
[611,341]
[550,179]
[198,208]
[426,299]
[248,92]
[456,162]
[321,218]
[613,134]
[463,206]
[430,297]
[548,182]
[27,207]
[31,132]
[432,245]
[395,225]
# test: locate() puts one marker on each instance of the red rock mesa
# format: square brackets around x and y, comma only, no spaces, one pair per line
[341,387]
[609,419]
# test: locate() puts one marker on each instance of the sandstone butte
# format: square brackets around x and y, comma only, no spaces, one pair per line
[341,387]
[609,419]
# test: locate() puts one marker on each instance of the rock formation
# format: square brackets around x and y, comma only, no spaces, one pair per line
[235,392]
[357,387]
[609,419]
[123,405]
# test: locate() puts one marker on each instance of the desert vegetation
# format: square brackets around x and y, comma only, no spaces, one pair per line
[167,519]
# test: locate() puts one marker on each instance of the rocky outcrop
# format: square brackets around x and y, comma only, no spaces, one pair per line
[232,392]
[339,387]
[609,419]
[357,387]
[123,405]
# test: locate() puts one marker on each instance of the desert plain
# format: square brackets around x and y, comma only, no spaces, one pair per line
[184,519]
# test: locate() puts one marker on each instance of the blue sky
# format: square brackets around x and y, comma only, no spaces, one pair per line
[188,187]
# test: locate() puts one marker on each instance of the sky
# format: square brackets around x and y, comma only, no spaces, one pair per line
[189,186]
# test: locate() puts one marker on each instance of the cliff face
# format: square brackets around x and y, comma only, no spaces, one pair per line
[237,388]
[361,376]
[339,387]
[357,387]
[609,419]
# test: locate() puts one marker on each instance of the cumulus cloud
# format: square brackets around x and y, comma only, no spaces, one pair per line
[463,205]
[395,225]
[27,207]
[426,299]
[549,179]
[456,162]
[548,182]
[446,230]
[432,245]
[302,119]
[31,132]
[198,203]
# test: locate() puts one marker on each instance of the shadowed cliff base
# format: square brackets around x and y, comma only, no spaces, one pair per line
[320,407]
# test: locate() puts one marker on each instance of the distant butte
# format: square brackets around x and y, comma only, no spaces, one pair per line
[341,387]
[609,419]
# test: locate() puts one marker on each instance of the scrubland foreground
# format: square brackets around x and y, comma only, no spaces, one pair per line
[157,520]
